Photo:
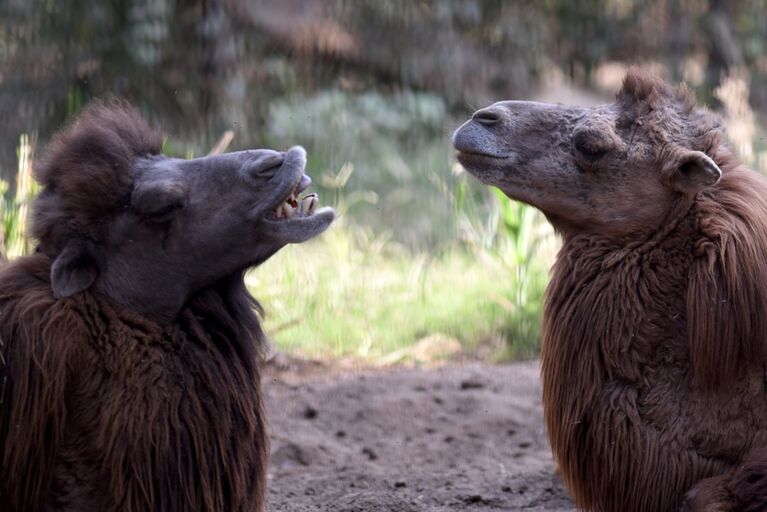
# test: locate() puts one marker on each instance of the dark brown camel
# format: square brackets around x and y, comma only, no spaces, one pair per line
[654,347]
[130,346]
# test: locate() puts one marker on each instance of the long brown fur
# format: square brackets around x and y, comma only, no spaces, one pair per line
[654,350]
[102,409]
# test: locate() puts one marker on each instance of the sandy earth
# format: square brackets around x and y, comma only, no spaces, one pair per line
[466,437]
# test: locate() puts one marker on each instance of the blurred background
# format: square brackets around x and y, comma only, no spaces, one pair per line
[424,264]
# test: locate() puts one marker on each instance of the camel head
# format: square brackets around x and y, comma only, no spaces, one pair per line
[615,169]
[149,231]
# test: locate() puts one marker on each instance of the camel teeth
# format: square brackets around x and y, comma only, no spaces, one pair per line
[314,200]
[307,204]
[297,206]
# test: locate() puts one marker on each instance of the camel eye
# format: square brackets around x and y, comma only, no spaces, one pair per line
[590,145]
[592,152]
[158,201]
[163,214]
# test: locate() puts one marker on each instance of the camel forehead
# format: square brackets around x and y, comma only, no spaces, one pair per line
[603,117]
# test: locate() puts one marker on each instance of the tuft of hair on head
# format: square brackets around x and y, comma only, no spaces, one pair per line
[649,90]
[86,171]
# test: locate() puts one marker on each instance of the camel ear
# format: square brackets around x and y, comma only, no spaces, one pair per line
[73,270]
[694,172]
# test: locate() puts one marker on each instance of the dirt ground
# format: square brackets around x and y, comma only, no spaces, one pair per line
[466,437]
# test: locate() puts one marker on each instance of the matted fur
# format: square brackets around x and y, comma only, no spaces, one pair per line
[100,408]
[653,350]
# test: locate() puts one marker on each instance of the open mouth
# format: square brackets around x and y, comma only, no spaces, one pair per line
[295,205]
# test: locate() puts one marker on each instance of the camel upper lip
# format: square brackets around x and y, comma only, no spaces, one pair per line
[473,140]
[303,183]
[299,185]
[473,152]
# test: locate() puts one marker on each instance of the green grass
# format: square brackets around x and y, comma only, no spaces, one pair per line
[352,294]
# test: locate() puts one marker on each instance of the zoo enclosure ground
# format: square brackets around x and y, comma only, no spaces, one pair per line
[459,437]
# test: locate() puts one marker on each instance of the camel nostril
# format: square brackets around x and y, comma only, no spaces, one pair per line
[487,116]
[263,163]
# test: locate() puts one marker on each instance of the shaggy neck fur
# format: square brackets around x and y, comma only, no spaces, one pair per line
[636,333]
[103,410]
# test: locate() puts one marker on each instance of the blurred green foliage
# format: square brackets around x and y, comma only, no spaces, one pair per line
[396,145]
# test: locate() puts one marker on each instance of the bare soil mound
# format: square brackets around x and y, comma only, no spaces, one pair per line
[454,438]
